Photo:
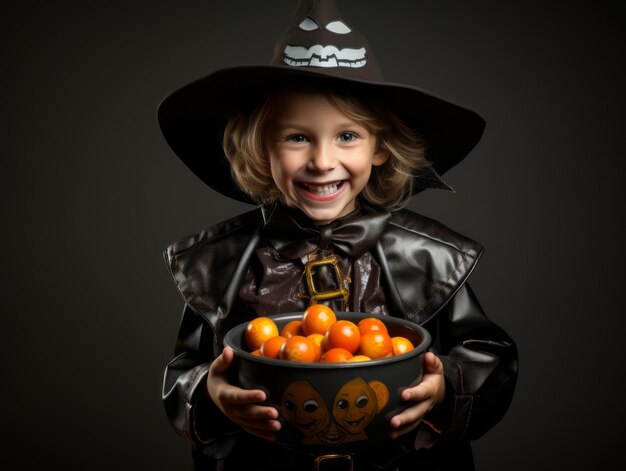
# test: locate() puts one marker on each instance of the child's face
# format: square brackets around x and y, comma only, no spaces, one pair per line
[319,158]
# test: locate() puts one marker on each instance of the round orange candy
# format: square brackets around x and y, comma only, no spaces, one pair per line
[336,355]
[317,318]
[298,348]
[318,341]
[259,330]
[371,323]
[360,358]
[375,344]
[292,328]
[271,346]
[343,334]
[257,352]
[401,345]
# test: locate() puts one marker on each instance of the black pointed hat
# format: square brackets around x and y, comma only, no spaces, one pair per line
[321,49]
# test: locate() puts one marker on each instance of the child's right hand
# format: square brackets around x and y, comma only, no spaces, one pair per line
[241,405]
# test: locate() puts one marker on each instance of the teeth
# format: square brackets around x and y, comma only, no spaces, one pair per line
[322,189]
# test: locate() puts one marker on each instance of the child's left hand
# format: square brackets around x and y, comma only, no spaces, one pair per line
[425,395]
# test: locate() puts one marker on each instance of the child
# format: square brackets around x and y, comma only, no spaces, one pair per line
[330,153]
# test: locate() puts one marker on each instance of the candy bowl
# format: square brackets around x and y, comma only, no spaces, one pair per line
[338,406]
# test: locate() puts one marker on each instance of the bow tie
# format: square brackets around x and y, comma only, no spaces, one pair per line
[293,234]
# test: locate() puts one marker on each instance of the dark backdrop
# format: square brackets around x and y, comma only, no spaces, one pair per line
[92,195]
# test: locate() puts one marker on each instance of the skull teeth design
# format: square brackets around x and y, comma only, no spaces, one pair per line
[324,56]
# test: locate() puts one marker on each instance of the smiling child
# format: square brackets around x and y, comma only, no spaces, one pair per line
[330,153]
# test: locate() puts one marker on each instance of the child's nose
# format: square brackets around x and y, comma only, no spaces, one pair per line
[322,158]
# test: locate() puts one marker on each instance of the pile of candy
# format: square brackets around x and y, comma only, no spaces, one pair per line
[319,337]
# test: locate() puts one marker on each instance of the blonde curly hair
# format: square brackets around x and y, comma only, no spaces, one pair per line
[390,184]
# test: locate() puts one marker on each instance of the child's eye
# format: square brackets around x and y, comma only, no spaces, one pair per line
[347,137]
[297,138]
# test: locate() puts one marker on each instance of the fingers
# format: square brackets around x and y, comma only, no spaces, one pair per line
[411,416]
[221,391]
[256,412]
[432,363]
[222,362]
[257,420]
[241,405]
[421,392]
[423,397]
[409,419]
[425,390]
[230,395]
[431,383]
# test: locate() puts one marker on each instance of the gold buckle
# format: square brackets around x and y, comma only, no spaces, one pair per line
[316,295]
[319,459]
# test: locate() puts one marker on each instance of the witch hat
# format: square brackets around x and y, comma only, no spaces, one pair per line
[320,49]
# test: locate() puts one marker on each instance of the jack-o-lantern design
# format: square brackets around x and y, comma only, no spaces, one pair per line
[319,55]
[355,405]
[320,37]
[305,408]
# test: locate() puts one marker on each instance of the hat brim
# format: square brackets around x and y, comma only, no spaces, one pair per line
[193,118]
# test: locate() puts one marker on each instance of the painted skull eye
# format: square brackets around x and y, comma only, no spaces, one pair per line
[342,404]
[338,27]
[290,406]
[361,401]
[308,24]
[310,405]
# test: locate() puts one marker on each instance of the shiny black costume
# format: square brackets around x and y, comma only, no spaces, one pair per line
[400,263]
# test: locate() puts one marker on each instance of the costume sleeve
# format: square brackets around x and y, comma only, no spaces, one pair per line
[480,369]
[188,406]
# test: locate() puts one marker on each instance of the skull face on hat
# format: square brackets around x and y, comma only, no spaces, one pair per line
[319,36]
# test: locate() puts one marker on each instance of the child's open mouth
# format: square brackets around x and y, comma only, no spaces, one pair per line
[324,189]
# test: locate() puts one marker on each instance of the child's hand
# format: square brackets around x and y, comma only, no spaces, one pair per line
[240,405]
[426,395]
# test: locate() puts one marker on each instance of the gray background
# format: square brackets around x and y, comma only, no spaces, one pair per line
[92,195]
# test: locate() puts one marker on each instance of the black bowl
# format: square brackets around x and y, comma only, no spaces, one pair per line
[339,406]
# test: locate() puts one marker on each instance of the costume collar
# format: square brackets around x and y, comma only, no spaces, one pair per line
[292,234]
[424,263]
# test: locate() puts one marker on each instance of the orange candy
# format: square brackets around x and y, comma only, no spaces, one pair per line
[343,334]
[319,337]
[317,318]
[271,346]
[401,345]
[259,330]
[360,358]
[318,341]
[376,344]
[371,323]
[292,328]
[298,348]
[336,355]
